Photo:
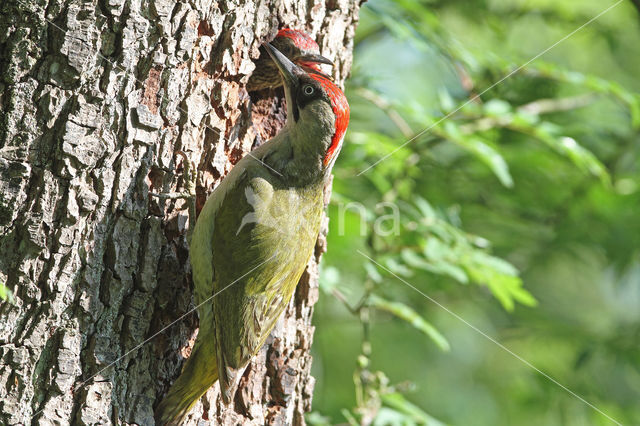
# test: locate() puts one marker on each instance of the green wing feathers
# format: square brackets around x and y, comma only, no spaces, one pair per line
[250,245]
[257,225]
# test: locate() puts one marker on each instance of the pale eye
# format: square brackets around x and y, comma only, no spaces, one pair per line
[308,90]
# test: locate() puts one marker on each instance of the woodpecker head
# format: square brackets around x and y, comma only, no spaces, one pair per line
[296,45]
[300,48]
[317,109]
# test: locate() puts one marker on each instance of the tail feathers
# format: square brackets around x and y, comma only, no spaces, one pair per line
[229,383]
[198,375]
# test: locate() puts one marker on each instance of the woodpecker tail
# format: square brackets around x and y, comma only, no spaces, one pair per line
[198,375]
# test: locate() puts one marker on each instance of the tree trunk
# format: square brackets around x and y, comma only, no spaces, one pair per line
[96,98]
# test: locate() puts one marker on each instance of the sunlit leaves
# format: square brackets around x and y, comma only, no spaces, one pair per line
[527,163]
[500,277]
[599,85]
[569,147]
[439,260]
[525,119]
[444,249]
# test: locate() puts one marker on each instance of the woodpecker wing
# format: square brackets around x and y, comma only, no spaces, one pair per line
[263,241]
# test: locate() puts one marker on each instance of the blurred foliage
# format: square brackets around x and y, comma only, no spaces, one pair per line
[6,294]
[479,189]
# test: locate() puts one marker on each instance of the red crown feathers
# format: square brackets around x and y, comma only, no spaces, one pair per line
[340,109]
[300,39]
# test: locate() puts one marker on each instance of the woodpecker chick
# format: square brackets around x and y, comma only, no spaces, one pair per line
[255,236]
[296,45]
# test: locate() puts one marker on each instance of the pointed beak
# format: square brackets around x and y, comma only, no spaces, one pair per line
[288,71]
[285,66]
[315,58]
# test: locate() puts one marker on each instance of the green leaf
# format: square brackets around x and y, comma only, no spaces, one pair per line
[350,417]
[414,260]
[407,314]
[596,84]
[499,265]
[497,108]
[581,157]
[523,296]
[454,271]
[398,268]
[492,158]
[584,158]
[443,260]
[316,419]
[500,277]
[387,416]
[482,151]
[399,402]
[424,207]
[372,272]
[499,287]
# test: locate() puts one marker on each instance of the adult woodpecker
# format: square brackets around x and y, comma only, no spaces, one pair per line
[295,45]
[255,235]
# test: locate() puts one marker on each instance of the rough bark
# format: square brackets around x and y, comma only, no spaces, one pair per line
[96,97]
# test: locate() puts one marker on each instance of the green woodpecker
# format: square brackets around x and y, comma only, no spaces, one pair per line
[295,45]
[255,236]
